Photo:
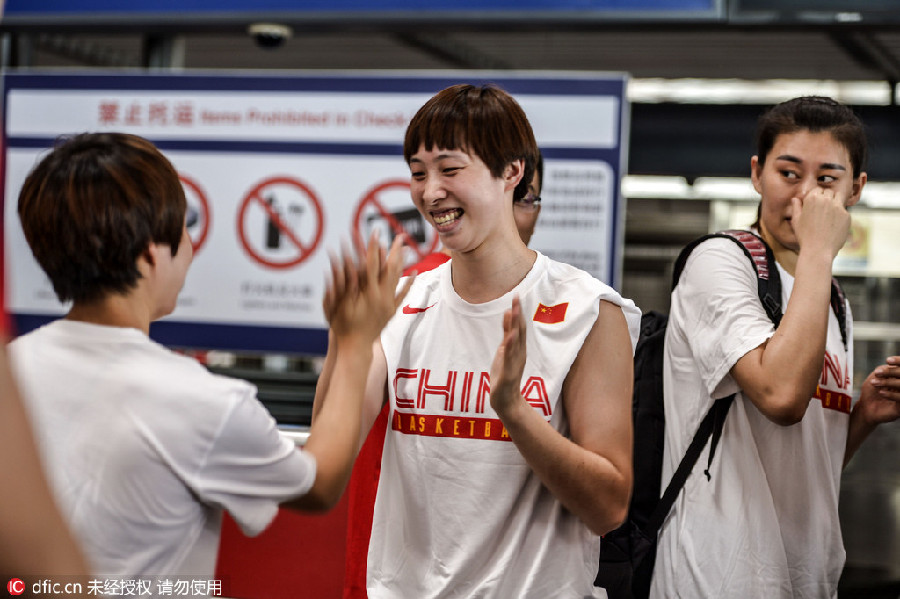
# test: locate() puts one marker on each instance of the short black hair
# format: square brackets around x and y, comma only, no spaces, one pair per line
[92,205]
[481,120]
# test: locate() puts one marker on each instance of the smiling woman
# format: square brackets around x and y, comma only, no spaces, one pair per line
[467,148]
[544,432]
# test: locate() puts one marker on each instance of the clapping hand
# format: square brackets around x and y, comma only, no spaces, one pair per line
[361,294]
[509,361]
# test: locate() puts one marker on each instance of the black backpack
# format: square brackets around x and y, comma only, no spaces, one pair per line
[628,553]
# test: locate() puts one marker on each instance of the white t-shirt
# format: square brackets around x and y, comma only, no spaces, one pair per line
[459,513]
[766,524]
[144,448]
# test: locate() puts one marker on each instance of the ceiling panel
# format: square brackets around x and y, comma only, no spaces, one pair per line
[746,53]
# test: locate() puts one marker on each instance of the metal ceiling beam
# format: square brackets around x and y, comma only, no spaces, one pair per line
[163,52]
[457,54]
[864,48]
[82,51]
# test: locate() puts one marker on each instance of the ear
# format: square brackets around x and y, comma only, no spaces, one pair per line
[150,254]
[755,168]
[858,185]
[513,173]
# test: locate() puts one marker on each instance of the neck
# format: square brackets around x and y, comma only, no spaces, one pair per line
[112,311]
[785,256]
[483,275]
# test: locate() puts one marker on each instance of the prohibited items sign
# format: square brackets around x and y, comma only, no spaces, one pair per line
[388,207]
[280,222]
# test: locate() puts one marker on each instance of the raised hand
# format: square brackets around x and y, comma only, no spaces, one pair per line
[820,218]
[509,361]
[361,295]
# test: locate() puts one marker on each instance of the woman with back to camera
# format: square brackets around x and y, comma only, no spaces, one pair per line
[766,523]
[508,375]
[145,449]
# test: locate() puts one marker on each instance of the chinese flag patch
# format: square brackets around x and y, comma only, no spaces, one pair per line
[550,314]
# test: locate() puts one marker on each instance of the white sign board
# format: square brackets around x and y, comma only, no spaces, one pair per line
[279,170]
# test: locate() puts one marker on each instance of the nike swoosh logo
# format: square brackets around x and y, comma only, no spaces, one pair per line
[407,309]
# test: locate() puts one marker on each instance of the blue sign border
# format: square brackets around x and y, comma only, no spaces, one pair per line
[176,12]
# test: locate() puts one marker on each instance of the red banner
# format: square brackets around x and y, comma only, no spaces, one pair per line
[461,427]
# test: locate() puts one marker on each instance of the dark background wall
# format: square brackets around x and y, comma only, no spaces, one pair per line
[692,140]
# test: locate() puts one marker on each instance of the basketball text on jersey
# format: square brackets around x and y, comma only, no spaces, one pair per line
[833,373]
[452,405]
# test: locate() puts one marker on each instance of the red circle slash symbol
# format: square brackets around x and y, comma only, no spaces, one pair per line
[198,215]
[400,219]
[273,225]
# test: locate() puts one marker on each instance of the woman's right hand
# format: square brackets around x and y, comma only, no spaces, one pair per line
[820,220]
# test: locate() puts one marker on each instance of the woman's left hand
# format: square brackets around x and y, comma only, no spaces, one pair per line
[509,361]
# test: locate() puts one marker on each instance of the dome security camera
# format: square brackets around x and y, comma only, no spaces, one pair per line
[269,35]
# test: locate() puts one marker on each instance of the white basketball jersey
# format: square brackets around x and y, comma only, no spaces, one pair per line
[459,513]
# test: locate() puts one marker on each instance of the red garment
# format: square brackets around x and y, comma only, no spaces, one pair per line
[429,262]
[364,482]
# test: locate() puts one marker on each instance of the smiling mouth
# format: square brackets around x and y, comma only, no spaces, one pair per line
[446,217]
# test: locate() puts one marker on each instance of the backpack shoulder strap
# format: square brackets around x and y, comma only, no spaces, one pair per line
[710,429]
[839,306]
[768,280]
[762,258]
[710,426]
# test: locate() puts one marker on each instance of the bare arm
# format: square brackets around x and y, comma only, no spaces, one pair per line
[779,377]
[325,376]
[375,394]
[591,474]
[358,303]
[879,402]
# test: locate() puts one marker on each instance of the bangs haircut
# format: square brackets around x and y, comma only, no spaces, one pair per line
[484,121]
[815,114]
[93,205]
